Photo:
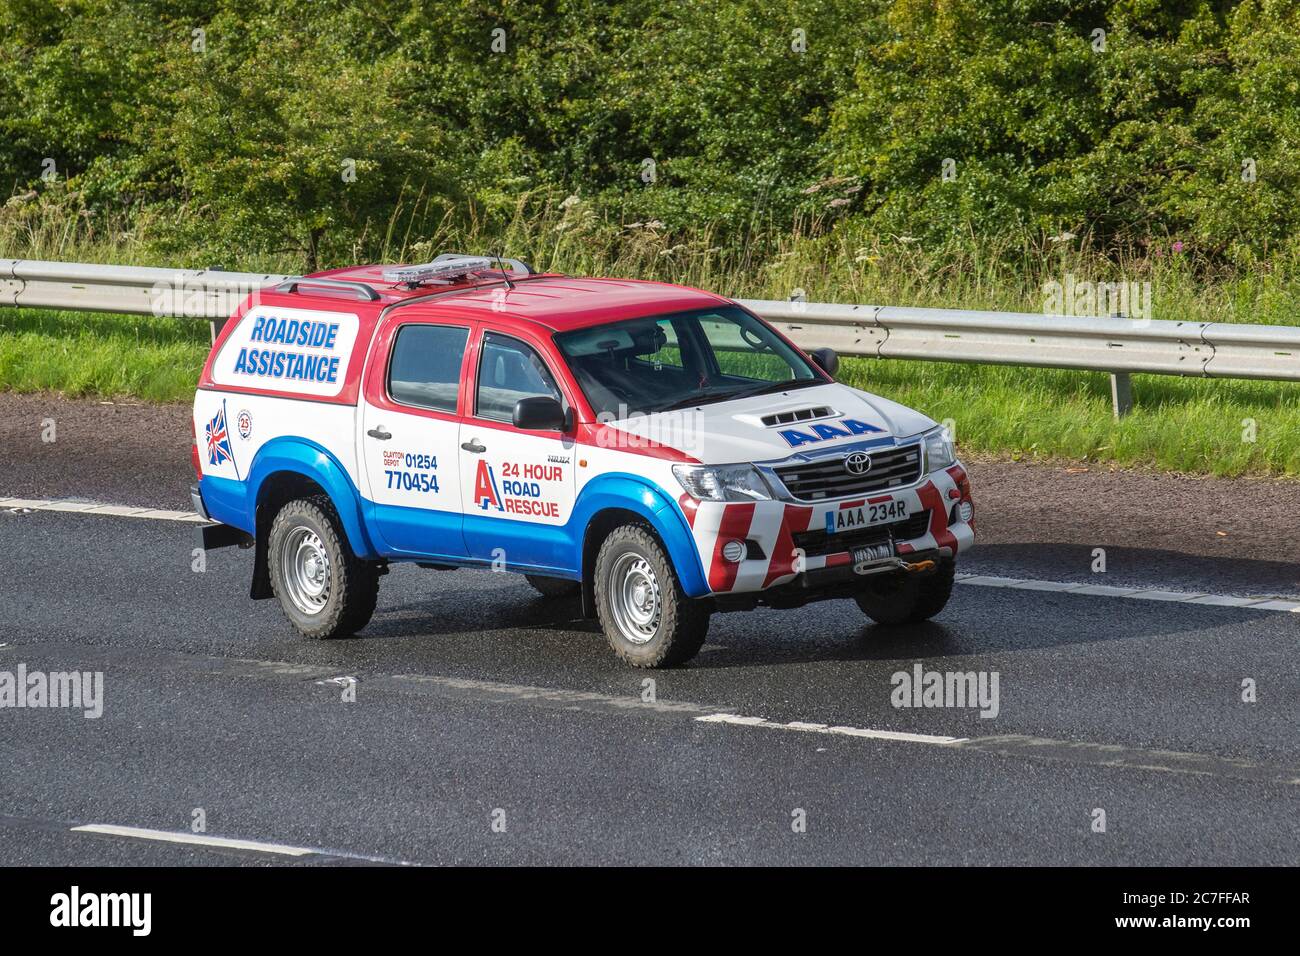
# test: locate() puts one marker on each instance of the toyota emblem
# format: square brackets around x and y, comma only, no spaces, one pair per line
[858,463]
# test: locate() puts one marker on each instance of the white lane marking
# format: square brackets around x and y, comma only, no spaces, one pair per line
[98,508]
[799,725]
[1046,748]
[1291,606]
[501,692]
[197,839]
[1140,594]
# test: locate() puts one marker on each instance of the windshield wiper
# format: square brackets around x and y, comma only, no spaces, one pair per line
[699,398]
[704,398]
[767,387]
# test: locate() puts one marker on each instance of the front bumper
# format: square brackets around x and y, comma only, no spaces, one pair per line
[786,542]
[821,584]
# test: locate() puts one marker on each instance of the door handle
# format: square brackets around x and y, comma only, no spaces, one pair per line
[378,432]
[474,446]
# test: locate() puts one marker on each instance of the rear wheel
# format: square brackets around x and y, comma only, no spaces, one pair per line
[553,587]
[647,618]
[324,589]
[908,597]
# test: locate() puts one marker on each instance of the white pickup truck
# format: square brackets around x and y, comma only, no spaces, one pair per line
[660,451]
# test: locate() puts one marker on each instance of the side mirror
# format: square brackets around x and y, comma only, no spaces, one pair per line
[539,413]
[827,359]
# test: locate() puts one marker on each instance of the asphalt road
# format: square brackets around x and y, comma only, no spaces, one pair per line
[492,726]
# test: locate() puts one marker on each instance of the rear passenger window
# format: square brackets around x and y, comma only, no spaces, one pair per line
[508,371]
[425,369]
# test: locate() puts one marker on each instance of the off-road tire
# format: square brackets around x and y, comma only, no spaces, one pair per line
[907,597]
[353,584]
[682,623]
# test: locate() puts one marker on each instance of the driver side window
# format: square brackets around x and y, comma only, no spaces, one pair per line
[509,370]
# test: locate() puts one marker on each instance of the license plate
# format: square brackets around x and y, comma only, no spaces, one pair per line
[864,516]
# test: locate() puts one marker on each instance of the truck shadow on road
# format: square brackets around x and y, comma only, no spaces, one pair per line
[479,611]
[978,621]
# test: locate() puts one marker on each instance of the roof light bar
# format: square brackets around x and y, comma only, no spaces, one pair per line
[451,264]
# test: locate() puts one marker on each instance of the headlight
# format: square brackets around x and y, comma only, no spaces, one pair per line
[722,482]
[939,452]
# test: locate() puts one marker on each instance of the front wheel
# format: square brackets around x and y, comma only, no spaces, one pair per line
[647,618]
[325,590]
[908,597]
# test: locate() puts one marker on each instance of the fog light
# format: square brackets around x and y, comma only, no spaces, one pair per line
[965,510]
[734,551]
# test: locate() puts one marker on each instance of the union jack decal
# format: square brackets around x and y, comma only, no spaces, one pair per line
[218,439]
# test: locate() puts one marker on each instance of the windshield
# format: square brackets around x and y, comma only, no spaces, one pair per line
[687,358]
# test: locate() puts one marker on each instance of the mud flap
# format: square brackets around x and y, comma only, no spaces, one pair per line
[260,589]
[215,536]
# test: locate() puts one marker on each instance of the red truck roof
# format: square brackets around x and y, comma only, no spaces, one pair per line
[548,302]
[556,301]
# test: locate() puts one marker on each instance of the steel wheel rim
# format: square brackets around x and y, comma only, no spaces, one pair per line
[306,567]
[634,598]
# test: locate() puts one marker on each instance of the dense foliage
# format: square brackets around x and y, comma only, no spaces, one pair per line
[328,127]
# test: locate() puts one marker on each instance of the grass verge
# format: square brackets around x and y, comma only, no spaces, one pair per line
[1219,427]
[101,355]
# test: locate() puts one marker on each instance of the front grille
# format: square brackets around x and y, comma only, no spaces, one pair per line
[819,542]
[828,478]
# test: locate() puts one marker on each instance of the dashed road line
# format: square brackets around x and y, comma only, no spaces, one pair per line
[1140,594]
[303,854]
[154,661]
[1046,748]
[806,727]
[193,839]
[306,855]
[78,506]
[1133,758]
[499,692]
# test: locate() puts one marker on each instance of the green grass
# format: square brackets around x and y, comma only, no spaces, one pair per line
[1183,425]
[101,355]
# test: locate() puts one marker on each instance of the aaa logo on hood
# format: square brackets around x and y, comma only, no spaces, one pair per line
[827,431]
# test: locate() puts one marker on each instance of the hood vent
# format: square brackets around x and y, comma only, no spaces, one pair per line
[799,415]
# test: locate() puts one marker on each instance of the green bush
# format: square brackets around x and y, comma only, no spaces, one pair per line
[813,117]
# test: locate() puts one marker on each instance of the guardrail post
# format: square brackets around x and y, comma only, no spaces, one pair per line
[1121,393]
[217,326]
